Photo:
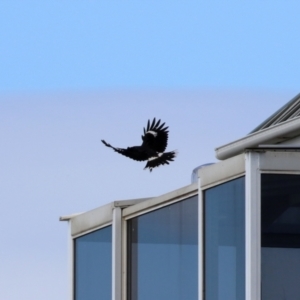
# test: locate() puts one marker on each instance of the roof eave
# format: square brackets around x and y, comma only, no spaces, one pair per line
[271,135]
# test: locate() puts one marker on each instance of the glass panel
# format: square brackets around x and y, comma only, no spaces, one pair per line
[224,208]
[280,225]
[163,253]
[93,265]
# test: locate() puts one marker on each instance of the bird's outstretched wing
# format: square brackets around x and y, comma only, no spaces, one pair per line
[156,136]
[131,152]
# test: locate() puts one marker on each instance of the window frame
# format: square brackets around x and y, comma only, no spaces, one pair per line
[73,249]
[251,164]
[81,225]
[205,204]
[88,222]
[144,208]
[262,161]
[209,177]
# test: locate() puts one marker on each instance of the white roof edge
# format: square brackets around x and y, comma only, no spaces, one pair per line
[117,203]
[222,171]
[68,217]
[126,203]
[290,127]
[161,200]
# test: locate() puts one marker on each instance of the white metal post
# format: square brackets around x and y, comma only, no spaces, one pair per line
[117,254]
[253,226]
[71,261]
[200,242]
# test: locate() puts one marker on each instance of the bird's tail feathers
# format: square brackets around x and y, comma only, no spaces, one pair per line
[161,159]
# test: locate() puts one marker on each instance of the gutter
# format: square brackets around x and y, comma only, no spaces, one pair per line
[271,135]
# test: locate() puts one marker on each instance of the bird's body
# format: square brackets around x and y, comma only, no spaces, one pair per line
[155,140]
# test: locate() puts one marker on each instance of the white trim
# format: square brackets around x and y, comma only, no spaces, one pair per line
[164,204]
[280,160]
[96,218]
[271,135]
[68,217]
[285,145]
[71,270]
[200,243]
[223,181]
[280,172]
[253,227]
[221,172]
[161,201]
[117,254]
[124,259]
[91,220]
[91,230]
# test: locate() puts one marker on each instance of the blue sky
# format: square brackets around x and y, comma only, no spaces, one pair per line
[75,72]
[50,45]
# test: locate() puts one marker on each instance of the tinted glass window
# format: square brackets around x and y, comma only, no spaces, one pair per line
[225,241]
[93,265]
[280,238]
[163,253]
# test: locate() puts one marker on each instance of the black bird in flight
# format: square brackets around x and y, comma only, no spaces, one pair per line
[155,140]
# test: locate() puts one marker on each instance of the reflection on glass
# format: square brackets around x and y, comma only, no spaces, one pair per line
[280,238]
[163,253]
[224,209]
[93,265]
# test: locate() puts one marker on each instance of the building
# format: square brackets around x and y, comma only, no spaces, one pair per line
[233,234]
